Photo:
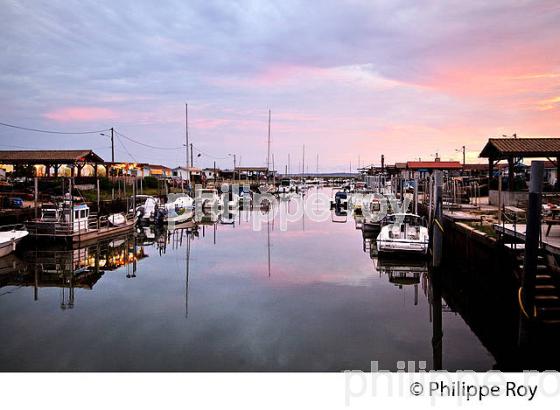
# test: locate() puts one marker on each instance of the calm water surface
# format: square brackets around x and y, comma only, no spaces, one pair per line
[312,298]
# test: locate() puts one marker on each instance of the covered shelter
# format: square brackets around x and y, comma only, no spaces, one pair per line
[251,173]
[515,149]
[52,160]
[422,168]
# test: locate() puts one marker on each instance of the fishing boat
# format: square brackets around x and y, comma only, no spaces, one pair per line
[69,221]
[403,233]
[10,239]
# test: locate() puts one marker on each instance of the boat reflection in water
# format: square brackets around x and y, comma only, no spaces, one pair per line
[68,269]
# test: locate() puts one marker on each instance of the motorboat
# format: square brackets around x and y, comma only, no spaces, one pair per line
[150,210]
[403,233]
[372,215]
[286,186]
[179,210]
[340,199]
[10,239]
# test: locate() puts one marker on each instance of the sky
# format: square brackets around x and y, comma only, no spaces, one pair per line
[349,79]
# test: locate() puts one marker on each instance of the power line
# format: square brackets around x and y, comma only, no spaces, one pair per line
[147,145]
[166,148]
[127,151]
[208,155]
[51,132]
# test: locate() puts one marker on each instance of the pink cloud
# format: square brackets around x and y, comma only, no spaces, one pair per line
[72,114]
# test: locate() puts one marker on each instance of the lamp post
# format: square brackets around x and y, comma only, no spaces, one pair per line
[112,143]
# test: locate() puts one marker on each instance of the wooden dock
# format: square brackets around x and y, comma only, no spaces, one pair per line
[551,243]
[96,230]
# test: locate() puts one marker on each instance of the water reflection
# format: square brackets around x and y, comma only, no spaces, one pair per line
[221,296]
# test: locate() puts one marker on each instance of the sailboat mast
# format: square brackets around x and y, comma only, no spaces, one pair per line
[187,141]
[268,145]
[303,162]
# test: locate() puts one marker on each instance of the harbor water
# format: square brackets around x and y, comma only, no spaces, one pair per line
[227,297]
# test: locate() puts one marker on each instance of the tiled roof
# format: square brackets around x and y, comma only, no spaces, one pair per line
[433,165]
[48,155]
[534,147]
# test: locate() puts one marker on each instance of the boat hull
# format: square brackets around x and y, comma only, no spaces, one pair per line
[402,247]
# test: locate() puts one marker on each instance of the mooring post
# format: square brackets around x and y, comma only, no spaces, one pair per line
[437,231]
[437,320]
[532,234]
[416,196]
[133,198]
[36,195]
[98,198]
[499,197]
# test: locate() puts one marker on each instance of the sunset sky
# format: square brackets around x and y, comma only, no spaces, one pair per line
[348,79]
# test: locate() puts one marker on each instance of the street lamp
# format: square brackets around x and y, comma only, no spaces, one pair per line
[112,143]
[462,149]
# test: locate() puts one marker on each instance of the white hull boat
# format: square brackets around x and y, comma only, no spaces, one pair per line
[9,240]
[403,234]
[116,219]
[179,210]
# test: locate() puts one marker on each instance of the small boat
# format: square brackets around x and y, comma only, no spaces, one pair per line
[403,234]
[179,210]
[287,185]
[340,200]
[10,239]
[149,211]
[116,219]
[372,216]
[210,199]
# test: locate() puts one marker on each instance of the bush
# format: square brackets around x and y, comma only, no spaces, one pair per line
[150,182]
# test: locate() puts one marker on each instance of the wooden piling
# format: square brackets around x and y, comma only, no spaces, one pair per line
[532,234]
[437,232]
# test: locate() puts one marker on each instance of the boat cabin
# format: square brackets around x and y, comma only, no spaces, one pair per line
[76,218]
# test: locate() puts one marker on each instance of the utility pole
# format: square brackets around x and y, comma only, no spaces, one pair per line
[288,169]
[464,162]
[112,144]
